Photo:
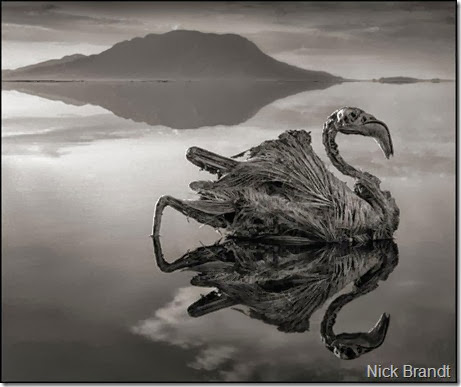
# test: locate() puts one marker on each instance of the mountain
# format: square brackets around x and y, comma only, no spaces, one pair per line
[175,55]
[26,70]
[178,105]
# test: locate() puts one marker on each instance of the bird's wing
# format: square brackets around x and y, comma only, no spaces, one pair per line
[289,161]
[311,191]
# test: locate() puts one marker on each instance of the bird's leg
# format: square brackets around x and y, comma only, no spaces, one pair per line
[188,260]
[209,161]
[211,302]
[208,212]
[160,259]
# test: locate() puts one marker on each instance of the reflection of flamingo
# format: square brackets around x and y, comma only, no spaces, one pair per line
[284,191]
[283,285]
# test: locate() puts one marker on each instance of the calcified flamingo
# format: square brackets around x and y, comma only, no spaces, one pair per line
[284,285]
[283,191]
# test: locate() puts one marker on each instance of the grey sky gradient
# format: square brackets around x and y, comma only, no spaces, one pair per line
[350,39]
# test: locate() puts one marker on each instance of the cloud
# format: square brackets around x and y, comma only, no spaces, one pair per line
[25,23]
[55,140]
[400,30]
[172,324]
[232,354]
[213,357]
[50,16]
[230,347]
[162,326]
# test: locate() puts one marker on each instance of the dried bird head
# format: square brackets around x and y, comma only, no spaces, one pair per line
[348,346]
[351,120]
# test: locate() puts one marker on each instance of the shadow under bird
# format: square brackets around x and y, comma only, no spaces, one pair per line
[283,285]
[284,192]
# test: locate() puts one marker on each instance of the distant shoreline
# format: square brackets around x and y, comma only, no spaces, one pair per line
[381,80]
[401,80]
[170,80]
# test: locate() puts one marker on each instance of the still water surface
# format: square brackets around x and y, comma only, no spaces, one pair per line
[83,299]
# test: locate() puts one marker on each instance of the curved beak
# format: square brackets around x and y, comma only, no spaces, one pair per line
[376,335]
[369,340]
[372,128]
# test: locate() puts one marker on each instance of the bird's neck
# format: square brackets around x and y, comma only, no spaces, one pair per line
[331,147]
[326,326]
[367,185]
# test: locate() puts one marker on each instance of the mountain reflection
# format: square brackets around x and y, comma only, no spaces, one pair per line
[178,105]
[283,285]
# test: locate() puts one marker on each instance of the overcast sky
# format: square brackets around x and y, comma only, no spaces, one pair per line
[350,39]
